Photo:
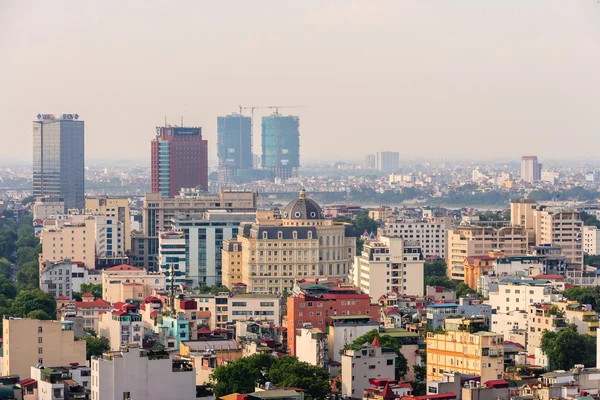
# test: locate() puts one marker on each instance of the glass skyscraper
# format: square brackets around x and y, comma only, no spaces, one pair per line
[281,145]
[234,146]
[58,159]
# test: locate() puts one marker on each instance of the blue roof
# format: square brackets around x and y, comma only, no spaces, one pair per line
[443,305]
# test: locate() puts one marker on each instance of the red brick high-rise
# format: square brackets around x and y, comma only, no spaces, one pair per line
[179,160]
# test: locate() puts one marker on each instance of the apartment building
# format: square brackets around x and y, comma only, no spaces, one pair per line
[70,237]
[317,302]
[464,307]
[312,346]
[29,342]
[114,208]
[361,364]
[480,353]
[121,326]
[429,232]
[298,243]
[543,317]
[89,308]
[172,257]
[464,241]
[389,264]
[561,227]
[116,376]
[126,282]
[48,207]
[61,382]
[581,315]
[57,278]
[591,240]
[476,266]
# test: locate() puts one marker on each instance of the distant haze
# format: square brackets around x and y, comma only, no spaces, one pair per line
[461,78]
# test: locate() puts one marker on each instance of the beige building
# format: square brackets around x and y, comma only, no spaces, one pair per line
[561,227]
[29,342]
[277,249]
[70,237]
[464,241]
[47,207]
[480,353]
[390,264]
[114,207]
[126,282]
[89,309]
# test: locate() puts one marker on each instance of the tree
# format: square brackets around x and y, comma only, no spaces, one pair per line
[93,288]
[362,222]
[584,295]
[384,341]
[32,300]
[241,376]
[567,348]
[7,288]
[440,281]
[289,372]
[95,346]
[28,276]
[5,268]
[463,290]
[212,289]
[435,268]
[27,200]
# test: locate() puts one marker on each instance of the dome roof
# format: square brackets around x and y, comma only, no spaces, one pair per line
[302,208]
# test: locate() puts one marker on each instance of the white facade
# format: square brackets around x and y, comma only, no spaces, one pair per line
[431,233]
[204,235]
[363,364]
[121,327]
[110,237]
[591,240]
[172,257]
[134,373]
[48,390]
[46,207]
[311,346]
[389,264]
[55,278]
[531,169]
[340,333]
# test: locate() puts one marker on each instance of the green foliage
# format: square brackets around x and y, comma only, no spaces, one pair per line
[584,295]
[590,220]
[7,288]
[211,289]
[591,260]
[5,268]
[243,375]
[93,288]
[418,385]
[362,222]
[95,346]
[567,348]
[27,200]
[435,268]
[463,290]
[384,341]
[440,281]
[33,300]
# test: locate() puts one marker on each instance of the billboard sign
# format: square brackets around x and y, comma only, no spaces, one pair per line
[186,131]
[45,117]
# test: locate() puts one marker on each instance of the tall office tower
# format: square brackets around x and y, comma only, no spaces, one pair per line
[531,169]
[371,160]
[234,146]
[58,158]
[179,160]
[281,145]
[388,161]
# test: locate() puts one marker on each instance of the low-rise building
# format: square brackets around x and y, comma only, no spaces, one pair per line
[58,383]
[543,317]
[126,282]
[311,345]
[465,307]
[480,353]
[345,329]
[89,308]
[430,232]
[29,342]
[122,326]
[116,376]
[361,364]
[476,266]
[591,240]
[48,207]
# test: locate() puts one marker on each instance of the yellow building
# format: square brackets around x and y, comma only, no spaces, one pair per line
[29,342]
[480,353]
[73,238]
[126,282]
[112,207]
[464,241]
[277,249]
[561,227]
[476,266]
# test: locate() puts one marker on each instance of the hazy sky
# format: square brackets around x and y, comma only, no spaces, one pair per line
[461,78]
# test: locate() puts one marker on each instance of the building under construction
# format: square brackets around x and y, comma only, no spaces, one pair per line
[281,145]
[234,146]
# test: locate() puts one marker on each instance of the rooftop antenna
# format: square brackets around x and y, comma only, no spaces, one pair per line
[182,121]
[165,121]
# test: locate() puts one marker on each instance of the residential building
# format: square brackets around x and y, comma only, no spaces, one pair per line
[179,159]
[317,302]
[70,237]
[581,315]
[561,227]
[58,158]
[464,241]
[381,214]
[234,146]
[543,317]
[121,326]
[281,145]
[172,257]
[452,382]
[48,207]
[89,308]
[116,376]
[57,383]
[204,235]
[371,161]
[591,240]
[311,345]
[29,342]
[531,169]
[388,161]
[300,243]
[115,208]
[177,326]
[476,266]
[361,364]
[341,210]
[480,353]
[345,329]
[57,278]
[464,307]
[126,282]
[522,212]
[429,232]
[389,264]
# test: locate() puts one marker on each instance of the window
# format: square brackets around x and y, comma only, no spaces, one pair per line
[40,339]
[390,362]
[40,350]
[371,367]
[39,329]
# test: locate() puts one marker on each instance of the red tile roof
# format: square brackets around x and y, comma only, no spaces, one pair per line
[375,342]
[28,382]
[549,276]
[124,267]
[98,303]
[204,331]
[118,305]
[387,392]
[62,298]
[153,314]
[87,294]
[346,296]
[497,383]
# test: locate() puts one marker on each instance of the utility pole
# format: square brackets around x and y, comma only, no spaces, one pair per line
[172,289]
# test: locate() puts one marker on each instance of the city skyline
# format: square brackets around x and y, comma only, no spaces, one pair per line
[530,82]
